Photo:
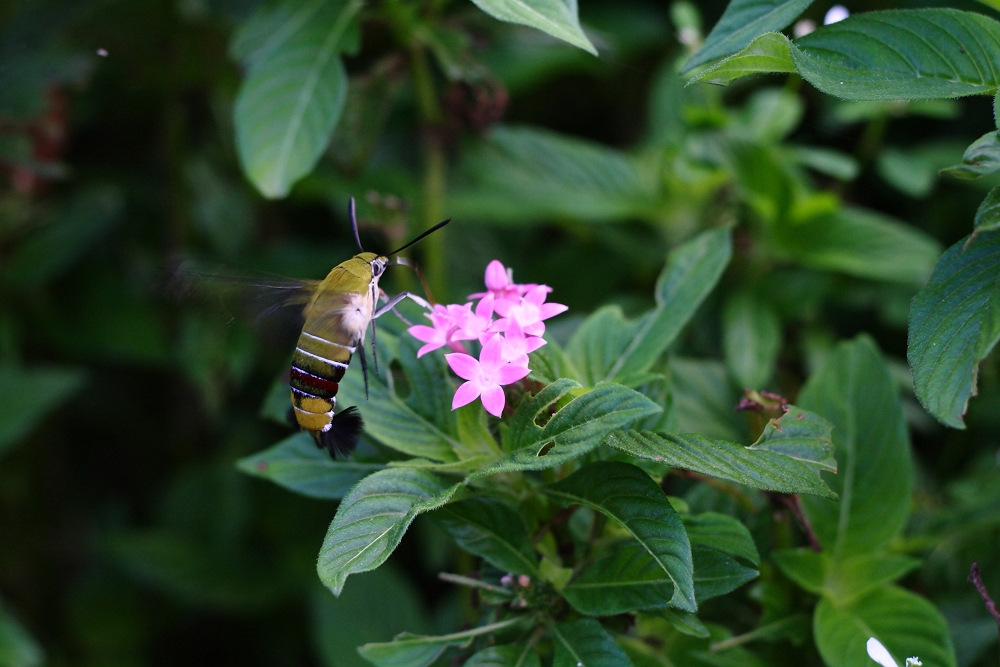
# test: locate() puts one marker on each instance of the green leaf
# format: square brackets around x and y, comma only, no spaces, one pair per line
[520,175]
[954,323]
[555,17]
[691,272]
[826,161]
[291,100]
[982,157]
[270,27]
[684,622]
[851,578]
[17,647]
[860,243]
[66,239]
[297,464]
[855,392]
[627,494]
[900,55]
[905,623]
[741,23]
[988,215]
[769,53]
[623,580]
[585,642]
[490,529]
[606,346]
[505,656]
[576,428]
[751,339]
[340,624]
[703,400]
[372,518]
[27,395]
[801,435]
[725,460]
[391,421]
[716,573]
[804,566]
[408,650]
[722,533]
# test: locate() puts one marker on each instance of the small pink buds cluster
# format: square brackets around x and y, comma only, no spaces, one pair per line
[506,341]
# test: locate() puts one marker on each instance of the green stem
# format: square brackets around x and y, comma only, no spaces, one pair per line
[473,583]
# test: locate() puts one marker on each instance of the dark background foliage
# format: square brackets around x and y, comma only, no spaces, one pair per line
[127,536]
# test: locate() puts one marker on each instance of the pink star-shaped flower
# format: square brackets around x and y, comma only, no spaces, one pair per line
[517,346]
[529,311]
[485,376]
[473,326]
[436,336]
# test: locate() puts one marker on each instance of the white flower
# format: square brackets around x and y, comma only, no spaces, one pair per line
[803,28]
[836,13]
[878,653]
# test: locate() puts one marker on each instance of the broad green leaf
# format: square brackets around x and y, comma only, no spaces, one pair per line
[767,54]
[954,323]
[904,622]
[842,580]
[826,161]
[900,55]
[555,17]
[392,422]
[703,400]
[623,580]
[769,115]
[520,175]
[298,465]
[722,533]
[408,650]
[691,272]
[17,647]
[340,624]
[626,494]
[982,157]
[914,170]
[490,529]
[716,573]
[576,428]
[372,518]
[585,642]
[751,339]
[291,100]
[988,216]
[271,26]
[27,395]
[741,23]
[66,238]
[725,460]
[801,435]
[855,392]
[428,396]
[606,346]
[684,622]
[860,243]
[507,655]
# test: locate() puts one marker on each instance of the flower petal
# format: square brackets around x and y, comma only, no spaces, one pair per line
[502,307]
[465,367]
[496,276]
[493,400]
[548,310]
[532,343]
[484,309]
[536,295]
[423,333]
[509,373]
[879,653]
[535,329]
[490,357]
[467,393]
[430,347]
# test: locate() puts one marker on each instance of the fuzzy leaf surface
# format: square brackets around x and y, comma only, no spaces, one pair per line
[409,650]
[492,530]
[585,642]
[298,465]
[372,518]
[954,323]
[769,53]
[555,17]
[626,494]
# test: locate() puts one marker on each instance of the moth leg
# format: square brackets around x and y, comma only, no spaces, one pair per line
[374,348]
[390,305]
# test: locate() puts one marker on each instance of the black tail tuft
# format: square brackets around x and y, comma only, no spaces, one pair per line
[342,437]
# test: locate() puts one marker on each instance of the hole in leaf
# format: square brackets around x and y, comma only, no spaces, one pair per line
[546,447]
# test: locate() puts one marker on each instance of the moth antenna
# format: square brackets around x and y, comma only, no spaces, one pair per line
[353,213]
[421,237]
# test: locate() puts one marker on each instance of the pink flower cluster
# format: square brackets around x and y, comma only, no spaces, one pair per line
[506,341]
